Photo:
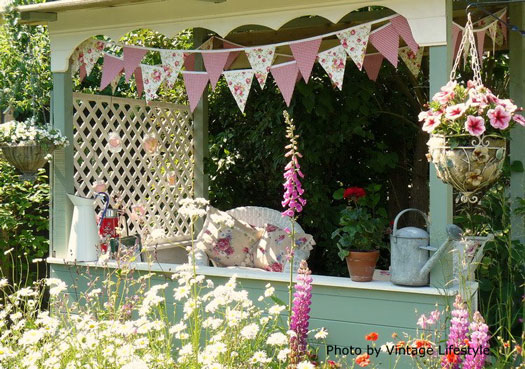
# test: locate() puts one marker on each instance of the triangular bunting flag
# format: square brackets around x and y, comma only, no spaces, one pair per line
[502,25]
[386,41]
[402,28]
[189,61]
[456,39]
[82,72]
[334,61]
[110,69]
[355,41]
[495,33]
[261,59]
[233,55]
[132,59]
[305,53]
[114,83]
[411,59]
[152,77]
[87,54]
[172,62]
[138,81]
[480,35]
[239,83]
[214,63]
[285,75]
[195,83]
[372,65]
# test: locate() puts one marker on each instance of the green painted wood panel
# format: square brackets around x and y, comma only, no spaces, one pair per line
[348,314]
[61,178]
[441,204]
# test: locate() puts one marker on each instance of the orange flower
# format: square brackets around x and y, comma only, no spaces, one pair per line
[467,342]
[363,360]
[422,343]
[372,336]
[394,335]
[401,344]
[452,358]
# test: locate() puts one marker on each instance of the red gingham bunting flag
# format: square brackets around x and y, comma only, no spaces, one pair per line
[172,62]
[305,53]
[411,59]
[233,55]
[480,35]
[138,81]
[261,59]
[285,75]
[355,41]
[214,63]
[132,58]
[152,77]
[195,84]
[111,68]
[189,61]
[239,83]
[334,61]
[386,41]
[456,38]
[372,65]
[82,72]
[402,28]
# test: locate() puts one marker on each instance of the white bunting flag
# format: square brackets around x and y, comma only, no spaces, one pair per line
[172,62]
[355,41]
[334,61]
[261,59]
[239,82]
[152,77]
[412,60]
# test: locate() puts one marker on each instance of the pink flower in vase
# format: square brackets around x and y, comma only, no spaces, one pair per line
[138,212]
[499,117]
[99,186]
[475,125]
[114,142]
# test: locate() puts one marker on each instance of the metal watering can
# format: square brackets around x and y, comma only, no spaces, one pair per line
[409,252]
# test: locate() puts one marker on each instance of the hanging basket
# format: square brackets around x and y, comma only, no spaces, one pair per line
[27,158]
[470,164]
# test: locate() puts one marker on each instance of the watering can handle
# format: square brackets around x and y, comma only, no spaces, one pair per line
[406,211]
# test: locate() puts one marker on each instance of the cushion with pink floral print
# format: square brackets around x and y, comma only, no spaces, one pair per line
[226,240]
[273,247]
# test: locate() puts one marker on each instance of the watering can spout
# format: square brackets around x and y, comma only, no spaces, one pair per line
[454,234]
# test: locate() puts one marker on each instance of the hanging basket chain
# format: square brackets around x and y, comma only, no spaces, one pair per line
[468,34]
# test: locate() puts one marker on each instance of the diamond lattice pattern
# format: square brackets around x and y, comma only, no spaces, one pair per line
[140,178]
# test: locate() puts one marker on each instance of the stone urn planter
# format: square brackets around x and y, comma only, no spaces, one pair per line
[27,158]
[469,164]
[361,265]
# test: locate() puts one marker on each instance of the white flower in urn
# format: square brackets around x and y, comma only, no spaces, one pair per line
[114,142]
[99,186]
[150,144]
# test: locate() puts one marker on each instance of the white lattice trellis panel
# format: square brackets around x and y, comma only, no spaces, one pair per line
[140,178]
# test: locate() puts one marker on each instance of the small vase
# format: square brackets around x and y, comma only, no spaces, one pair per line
[27,159]
[361,265]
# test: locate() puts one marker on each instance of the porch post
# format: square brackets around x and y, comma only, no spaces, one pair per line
[200,125]
[61,177]
[517,93]
[441,203]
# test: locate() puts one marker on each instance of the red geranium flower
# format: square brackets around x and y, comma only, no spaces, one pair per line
[354,193]
[372,336]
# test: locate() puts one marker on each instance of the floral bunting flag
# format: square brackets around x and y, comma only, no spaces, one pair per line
[239,83]
[111,68]
[386,41]
[132,59]
[87,54]
[172,62]
[305,54]
[372,65]
[495,33]
[152,77]
[411,59]
[195,83]
[480,36]
[403,29]
[285,76]
[355,41]
[261,59]
[114,83]
[214,64]
[334,61]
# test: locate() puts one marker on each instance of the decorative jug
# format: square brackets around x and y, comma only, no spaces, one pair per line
[83,237]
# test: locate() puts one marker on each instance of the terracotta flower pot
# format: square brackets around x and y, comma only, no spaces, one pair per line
[361,265]
[27,159]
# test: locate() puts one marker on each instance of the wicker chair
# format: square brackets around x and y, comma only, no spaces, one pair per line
[259,217]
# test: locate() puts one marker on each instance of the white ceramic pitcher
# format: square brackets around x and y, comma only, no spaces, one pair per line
[83,238]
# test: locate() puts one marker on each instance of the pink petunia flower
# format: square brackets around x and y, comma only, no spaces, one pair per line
[431,123]
[508,105]
[455,111]
[443,97]
[475,125]
[499,117]
[423,115]
[518,118]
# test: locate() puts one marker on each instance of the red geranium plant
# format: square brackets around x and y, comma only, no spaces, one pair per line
[362,223]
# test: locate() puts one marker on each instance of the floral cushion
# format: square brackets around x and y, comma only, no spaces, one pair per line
[273,247]
[226,240]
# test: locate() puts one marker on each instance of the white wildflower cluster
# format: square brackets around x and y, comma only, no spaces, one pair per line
[28,132]
[193,208]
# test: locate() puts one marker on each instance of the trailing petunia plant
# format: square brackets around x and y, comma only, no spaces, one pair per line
[29,133]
